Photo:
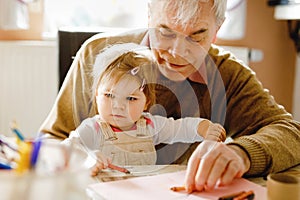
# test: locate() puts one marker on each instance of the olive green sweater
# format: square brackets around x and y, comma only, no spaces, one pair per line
[232,96]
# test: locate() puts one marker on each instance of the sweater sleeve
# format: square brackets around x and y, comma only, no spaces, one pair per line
[169,130]
[258,125]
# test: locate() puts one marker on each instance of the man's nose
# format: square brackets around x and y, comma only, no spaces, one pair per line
[179,47]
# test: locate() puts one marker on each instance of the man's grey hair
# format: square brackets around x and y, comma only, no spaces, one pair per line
[187,9]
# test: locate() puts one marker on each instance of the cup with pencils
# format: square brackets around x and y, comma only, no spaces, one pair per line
[41,169]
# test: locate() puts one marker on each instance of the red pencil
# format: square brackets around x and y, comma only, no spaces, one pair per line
[120,169]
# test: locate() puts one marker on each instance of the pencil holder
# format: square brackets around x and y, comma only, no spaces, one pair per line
[282,186]
[58,174]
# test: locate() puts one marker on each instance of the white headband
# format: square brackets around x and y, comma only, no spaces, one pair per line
[111,53]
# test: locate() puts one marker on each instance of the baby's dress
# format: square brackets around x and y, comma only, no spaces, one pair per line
[133,147]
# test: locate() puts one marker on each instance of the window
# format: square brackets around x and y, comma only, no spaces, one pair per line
[94,13]
[234,25]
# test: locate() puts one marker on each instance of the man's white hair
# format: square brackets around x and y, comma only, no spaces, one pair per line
[187,9]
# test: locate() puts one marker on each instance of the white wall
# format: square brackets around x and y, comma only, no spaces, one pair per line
[28,84]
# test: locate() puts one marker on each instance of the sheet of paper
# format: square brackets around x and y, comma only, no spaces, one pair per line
[137,171]
[158,187]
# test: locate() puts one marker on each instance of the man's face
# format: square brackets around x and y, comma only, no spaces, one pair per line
[180,50]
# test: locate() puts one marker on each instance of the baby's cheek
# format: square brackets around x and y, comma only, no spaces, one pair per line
[135,114]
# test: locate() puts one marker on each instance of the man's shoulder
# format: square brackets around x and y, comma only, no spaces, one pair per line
[229,66]
[223,57]
[219,52]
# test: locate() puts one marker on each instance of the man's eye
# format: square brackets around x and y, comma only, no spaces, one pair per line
[131,98]
[167,33]
[108,95]
[195,39]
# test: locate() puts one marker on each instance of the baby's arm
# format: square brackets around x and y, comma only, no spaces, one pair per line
[211,131]
[188,130]
[96,161]
[88,140]
[102,163]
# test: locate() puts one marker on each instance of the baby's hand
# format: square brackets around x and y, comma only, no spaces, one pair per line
[211,131]
[102,163]
[216,132]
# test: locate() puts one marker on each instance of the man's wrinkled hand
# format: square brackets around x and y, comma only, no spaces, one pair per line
[215,163]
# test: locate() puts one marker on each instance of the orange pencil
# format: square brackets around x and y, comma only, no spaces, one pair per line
[249,195]
[120,169]
[231,196]
[177,188]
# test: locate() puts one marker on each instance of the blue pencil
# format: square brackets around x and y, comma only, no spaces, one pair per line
[5,166]
[16,131]
[35,152]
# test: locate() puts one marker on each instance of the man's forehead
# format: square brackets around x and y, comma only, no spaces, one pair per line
[197,26]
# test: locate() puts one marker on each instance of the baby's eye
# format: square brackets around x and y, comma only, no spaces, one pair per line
[131,98]
[109,95]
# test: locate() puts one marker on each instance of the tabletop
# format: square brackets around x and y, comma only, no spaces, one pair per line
[136,171]
[294,171]
[76,183]
[100,191]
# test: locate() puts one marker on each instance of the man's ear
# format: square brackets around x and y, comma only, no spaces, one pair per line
[218,28]
[214,38]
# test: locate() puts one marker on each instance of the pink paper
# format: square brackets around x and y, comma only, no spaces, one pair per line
[158,187]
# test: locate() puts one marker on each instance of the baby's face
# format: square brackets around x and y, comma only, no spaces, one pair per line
[122,104]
